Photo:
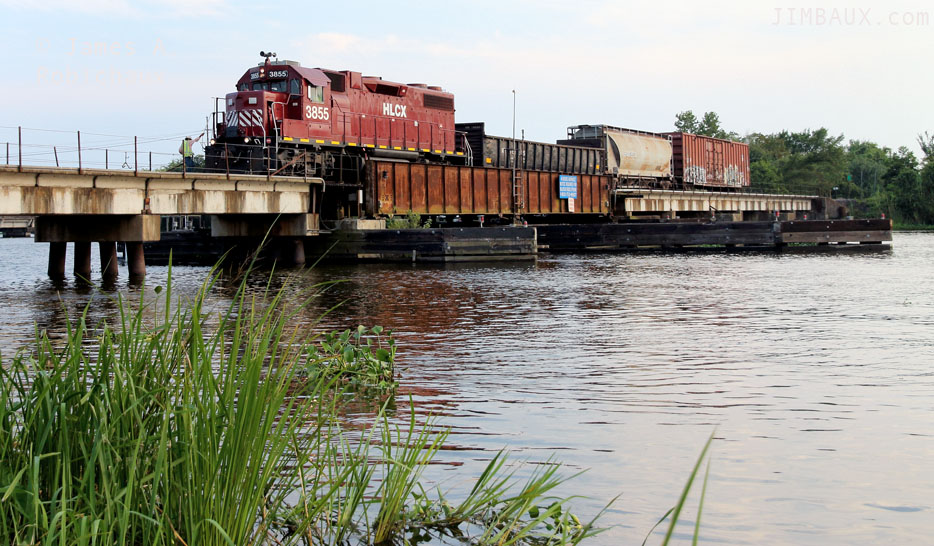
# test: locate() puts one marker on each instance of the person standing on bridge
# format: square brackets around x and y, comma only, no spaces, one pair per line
[186,151]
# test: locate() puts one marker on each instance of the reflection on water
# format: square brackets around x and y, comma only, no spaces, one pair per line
[814,370]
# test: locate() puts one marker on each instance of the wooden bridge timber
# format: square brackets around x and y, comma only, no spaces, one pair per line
[86,205]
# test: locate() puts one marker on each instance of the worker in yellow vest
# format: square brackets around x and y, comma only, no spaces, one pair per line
[186,151]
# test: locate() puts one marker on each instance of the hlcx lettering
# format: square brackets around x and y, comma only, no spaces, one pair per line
[394,110]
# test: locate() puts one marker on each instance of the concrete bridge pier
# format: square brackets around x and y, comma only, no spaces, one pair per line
[105,230]
[135,260]
[57,251]
[109,270]
[298,251]
[82,267]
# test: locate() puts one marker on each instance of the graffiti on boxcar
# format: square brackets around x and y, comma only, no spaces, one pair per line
[695,174]
[733,176]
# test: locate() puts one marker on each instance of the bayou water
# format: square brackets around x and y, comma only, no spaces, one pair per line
[813,371]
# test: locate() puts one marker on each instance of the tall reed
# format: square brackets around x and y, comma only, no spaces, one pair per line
[184,424]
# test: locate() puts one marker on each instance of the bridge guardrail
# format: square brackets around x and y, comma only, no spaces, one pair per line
[51,148]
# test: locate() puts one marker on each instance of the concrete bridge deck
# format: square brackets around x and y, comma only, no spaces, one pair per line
[87,205]
[670,203]
[36,191]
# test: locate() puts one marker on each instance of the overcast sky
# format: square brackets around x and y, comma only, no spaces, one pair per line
[151,68]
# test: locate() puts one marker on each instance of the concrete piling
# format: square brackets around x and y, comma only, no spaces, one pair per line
[298,252]
[82,261]
[135,260]
[57,253]
[109,270]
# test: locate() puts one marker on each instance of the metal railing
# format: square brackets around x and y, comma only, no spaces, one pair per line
[32,147]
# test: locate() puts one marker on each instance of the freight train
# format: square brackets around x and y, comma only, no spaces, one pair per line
[287,119]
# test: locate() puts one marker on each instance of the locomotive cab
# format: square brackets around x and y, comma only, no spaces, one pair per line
[278,99]
[276,103]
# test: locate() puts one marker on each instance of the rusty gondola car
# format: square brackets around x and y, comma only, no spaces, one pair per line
[497,152]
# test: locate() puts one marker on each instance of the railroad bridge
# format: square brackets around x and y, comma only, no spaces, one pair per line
[106,206]
[636,202]
[83,206]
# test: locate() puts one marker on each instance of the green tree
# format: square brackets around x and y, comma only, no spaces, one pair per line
[811,162]
[909,197]
[926,198]
[176,164]
[867,163]
[686,122]
[816,161]
[709,125]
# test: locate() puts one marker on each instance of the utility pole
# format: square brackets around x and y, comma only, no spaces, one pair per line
[515,159]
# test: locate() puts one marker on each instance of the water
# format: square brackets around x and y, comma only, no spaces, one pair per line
[813,371]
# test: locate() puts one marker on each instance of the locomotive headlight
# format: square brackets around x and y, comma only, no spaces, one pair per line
[211,142]
[246,140]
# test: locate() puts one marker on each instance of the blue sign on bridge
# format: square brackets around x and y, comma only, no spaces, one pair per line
[567,186]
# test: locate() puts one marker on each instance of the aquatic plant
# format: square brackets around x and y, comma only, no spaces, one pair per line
[411,220]
[361,358]
[182,424]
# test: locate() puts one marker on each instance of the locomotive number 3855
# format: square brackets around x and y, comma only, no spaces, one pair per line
[317,112]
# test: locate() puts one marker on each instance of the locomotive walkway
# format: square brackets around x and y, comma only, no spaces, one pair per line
[86,205]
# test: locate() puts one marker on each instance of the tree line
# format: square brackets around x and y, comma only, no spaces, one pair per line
[872,179]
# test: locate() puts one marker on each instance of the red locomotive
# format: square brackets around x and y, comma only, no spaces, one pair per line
[289,119]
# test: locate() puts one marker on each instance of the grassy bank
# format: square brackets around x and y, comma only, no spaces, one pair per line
[161,430]
[898,226]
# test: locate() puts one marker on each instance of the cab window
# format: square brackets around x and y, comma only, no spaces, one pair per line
[260,86]
[280,86]
[295,87]
[243,87]
[315,93]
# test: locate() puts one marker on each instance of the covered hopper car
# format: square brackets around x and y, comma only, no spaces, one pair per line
[633,158]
